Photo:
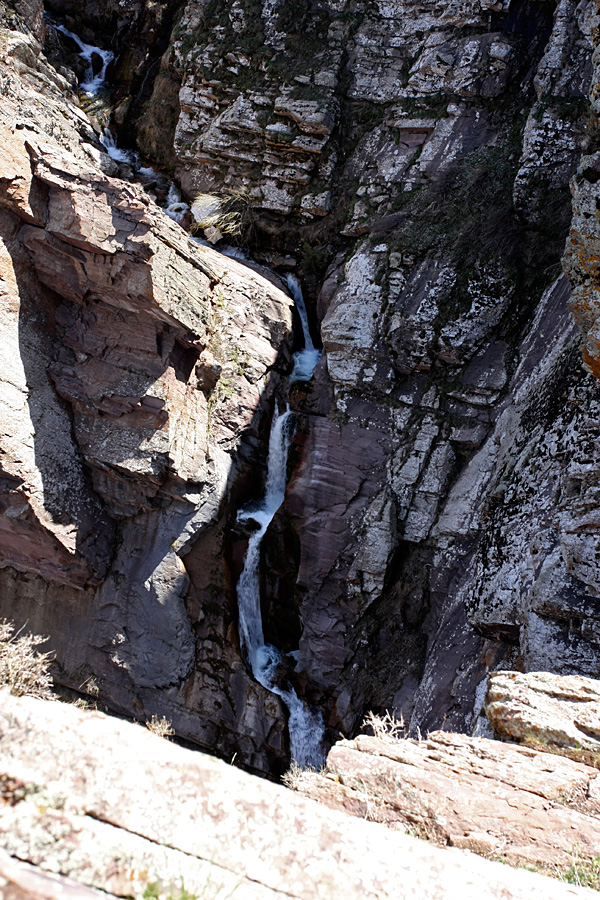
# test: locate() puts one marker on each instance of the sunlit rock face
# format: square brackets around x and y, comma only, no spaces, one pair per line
[412,162]
[135,361]
[432,510]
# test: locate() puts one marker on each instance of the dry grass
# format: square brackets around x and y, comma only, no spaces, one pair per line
[228,214]
[385,727]
[296,774]
[583,872]
[22,667]
[161,727]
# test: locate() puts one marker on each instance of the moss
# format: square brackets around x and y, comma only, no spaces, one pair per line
[314,257]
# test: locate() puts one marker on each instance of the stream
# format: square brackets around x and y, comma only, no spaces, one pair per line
[266,662]
[305,726]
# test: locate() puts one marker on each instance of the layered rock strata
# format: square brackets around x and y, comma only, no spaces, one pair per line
[450,455]
[543,710]
[529,804]
[440,520]
[138,369]
[115,808]
[500,801]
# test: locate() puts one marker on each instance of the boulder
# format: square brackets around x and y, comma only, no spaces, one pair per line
[544,710]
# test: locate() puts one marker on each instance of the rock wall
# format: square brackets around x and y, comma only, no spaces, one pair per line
[138,371]
[440,507]
[414,161]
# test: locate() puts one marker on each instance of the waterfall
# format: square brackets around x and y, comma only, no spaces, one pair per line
[251,631]
[305,360]
[122,156]
[93,83]
[305,726]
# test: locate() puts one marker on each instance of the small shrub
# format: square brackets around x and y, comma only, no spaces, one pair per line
[155,890]
[294,775]
[582,872]
[162,727]
[385,727]
[158,890]
[226,215]
[22,667]
[90,686]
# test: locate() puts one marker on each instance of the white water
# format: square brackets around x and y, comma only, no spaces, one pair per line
[92,83]
[176,209]
[305,360]
[122,156]
[305,726]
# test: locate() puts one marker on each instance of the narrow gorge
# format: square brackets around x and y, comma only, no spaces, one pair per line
[214,518]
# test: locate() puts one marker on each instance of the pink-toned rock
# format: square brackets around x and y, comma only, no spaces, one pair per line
[546,710]
[501,801]
[114,807]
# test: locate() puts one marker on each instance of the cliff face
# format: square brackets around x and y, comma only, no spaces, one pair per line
[134,362]
[414,161]
[441,508]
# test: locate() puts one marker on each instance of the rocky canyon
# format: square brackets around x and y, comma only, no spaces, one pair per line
[430,173]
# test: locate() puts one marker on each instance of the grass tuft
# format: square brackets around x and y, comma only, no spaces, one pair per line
[161,727]
[22,667]
[385,727]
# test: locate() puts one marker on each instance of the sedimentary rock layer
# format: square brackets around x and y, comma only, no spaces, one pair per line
[413,160]
[137,372]
[114,807]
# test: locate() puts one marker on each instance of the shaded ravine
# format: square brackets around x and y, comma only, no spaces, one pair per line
[266,662]
[93,84]
[94,81]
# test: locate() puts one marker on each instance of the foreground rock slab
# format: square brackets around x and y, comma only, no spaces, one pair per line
[108,804]
[502,801]
[19,881]
[546,710]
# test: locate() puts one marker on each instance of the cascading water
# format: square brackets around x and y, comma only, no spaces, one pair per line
[262,513]
[92,83]
[305,360]
[175,208]
[305,726]
[119,155]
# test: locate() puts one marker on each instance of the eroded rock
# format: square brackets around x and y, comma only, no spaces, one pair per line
[114,807]
[541,709]
[494,799]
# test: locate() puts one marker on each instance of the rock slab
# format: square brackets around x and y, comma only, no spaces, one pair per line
[106,803]
[545,710]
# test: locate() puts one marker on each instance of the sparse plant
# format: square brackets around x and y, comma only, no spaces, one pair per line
[220,215]
[81,703]
[159,890]
[294,775]
[90,686]
[161,727]
[582,872]
[386,726]
[155,890]
[22,667]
